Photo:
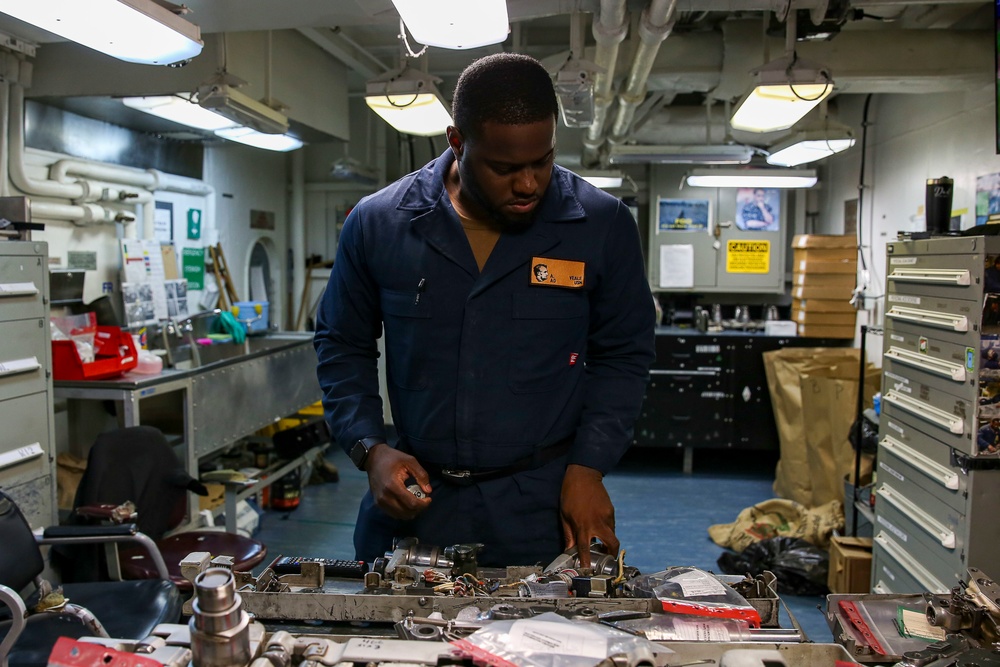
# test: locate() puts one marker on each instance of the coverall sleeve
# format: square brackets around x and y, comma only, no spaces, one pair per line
[348,325]
[620,349]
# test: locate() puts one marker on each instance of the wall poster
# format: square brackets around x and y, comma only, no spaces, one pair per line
[758,209]
[683,215]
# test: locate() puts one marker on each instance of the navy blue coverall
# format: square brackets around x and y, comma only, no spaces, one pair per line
[484,369]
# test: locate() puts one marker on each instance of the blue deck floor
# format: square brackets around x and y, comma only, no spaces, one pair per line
[662,514]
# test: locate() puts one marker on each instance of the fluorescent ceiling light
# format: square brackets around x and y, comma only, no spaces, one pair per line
[251,137]
[409,101]
[751,178]
[785,90]
[455,24]
[242,109]
[180,109]
[137,31]
[811,144]
[602,178]
[708,154]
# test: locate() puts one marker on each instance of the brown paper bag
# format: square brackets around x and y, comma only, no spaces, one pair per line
[829,408]
[69,472]
[784,369]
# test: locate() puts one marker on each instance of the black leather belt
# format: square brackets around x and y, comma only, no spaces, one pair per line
[468,476]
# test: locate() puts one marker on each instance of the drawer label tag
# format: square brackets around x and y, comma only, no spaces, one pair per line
[892,529]
[883,466]
[888,573]
[903,298]
[709,349]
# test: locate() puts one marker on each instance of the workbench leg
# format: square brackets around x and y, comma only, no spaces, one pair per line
[688,460]
[231,501]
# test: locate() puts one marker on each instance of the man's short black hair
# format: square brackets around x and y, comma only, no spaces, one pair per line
[504,88]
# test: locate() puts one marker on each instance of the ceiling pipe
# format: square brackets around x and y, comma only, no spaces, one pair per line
[610,27]
[655,24]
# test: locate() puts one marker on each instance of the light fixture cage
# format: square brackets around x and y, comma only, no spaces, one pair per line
[409,101]
[784,90]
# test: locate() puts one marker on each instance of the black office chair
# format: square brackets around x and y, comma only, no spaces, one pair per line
[125,609]
[137,464]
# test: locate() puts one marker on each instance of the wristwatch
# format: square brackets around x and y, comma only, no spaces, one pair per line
[359,451]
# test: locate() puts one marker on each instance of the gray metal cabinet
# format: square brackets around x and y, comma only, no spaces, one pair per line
[937,484]
[27,468]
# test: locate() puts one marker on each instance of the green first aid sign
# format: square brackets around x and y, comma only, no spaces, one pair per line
[194,224]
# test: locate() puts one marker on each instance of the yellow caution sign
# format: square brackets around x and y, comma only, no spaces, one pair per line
[748,256]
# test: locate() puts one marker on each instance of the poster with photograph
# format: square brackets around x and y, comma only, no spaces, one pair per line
[987,198]
[758,209]
[683,215]
[177,304]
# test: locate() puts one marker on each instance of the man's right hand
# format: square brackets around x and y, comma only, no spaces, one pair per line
[388,470]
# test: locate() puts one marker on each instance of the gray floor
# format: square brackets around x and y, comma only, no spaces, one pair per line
[662,514]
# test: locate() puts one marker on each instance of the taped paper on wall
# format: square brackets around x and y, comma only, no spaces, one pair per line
[676,265]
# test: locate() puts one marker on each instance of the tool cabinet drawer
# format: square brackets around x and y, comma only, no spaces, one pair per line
[946,418]
[923,349]
[949,276]
[23,357]
[948,380]
[25,449]
[954,320]
[906,466]
[895,570]
[922,528]
[22,287]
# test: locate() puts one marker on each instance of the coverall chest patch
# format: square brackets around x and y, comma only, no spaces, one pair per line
[550,272]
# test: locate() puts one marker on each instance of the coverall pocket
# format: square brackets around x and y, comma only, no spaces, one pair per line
[407,337]
[549,336]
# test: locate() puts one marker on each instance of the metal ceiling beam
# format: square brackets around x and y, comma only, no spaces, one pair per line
[345,50]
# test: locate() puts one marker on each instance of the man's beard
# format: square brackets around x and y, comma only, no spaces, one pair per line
[495,218]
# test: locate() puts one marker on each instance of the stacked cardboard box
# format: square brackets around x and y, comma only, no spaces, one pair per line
[823,278]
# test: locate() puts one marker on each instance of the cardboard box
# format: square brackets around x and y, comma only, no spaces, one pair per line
[809,317]
[824,241]
[824,254]
[779,328]
[814,265]
[850,564]
[823,292]
[823,305]
[826,331]
[824,280]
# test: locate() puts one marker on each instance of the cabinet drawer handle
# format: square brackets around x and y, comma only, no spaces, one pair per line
[943,475]
[939,418]
[959,277]
[680,418]
[918,571]
[933,365]
[15,366]
[684,373]
[925,521]
[20,454]
[930,318]
[18,289]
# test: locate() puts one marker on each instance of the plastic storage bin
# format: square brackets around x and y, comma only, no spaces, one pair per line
[114,354]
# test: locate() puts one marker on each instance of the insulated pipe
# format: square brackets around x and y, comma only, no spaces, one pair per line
[297,234]
[18,176]
[655,24]
[609,28]
[78,214]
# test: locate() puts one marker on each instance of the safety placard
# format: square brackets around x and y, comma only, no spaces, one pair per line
[748,256]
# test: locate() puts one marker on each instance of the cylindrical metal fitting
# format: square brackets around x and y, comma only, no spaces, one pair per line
[220,629]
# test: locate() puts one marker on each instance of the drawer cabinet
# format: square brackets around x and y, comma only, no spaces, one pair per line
[27,459]
[936,490]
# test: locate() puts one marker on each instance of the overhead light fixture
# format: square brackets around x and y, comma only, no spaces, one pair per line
[455,24]
[604,178]
[708,154]
[251,137]
[409,101]
[136,31]
[574,86]
[784,90]
[751,178]
[179,108]
[811,143]
[225,100]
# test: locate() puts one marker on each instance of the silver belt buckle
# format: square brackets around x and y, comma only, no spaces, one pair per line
[457,476]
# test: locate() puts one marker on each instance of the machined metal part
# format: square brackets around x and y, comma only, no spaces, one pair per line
[219,626]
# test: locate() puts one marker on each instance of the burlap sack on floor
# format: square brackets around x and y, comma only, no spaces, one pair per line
[779,517]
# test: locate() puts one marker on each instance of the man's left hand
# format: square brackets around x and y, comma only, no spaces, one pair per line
[587,512]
